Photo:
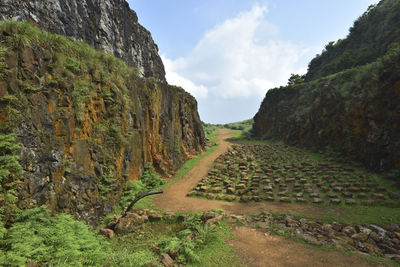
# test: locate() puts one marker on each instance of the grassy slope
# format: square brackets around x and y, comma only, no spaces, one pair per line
[368,39]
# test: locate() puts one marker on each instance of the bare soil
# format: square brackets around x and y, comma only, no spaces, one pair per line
[255,247]
[260,250]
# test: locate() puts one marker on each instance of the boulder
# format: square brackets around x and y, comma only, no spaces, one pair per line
[166,260]
[107,232]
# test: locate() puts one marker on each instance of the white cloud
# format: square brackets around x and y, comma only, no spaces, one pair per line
[239,59]
[198,91]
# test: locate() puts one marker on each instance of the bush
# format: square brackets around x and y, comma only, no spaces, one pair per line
[132,189]
[60,240]
[206,233]
[181,250]
[150,178]
[10,169]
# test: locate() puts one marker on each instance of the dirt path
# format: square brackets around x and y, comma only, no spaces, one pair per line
[254,247]
[261,250]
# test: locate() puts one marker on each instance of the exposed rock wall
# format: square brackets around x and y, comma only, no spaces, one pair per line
[109,25]
[87,123]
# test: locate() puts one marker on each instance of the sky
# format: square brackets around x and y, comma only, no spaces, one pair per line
[229,53]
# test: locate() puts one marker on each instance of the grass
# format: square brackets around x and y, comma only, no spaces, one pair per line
[143,241]
[374,259]
[239,136]
[218,252]
[145,237]
[362,214]
[245,126]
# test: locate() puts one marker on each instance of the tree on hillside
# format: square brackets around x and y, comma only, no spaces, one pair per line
[295,79]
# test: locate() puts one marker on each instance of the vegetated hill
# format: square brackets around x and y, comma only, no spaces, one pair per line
[355,111]
[86,122]
[109,25]
[368,39]
[245,125]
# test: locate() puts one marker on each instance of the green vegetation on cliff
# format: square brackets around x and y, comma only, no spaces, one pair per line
[352,108]
[10,169]
[244,126]
[369,38]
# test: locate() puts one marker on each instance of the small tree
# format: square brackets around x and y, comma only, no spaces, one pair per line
[150,178]
[295,79]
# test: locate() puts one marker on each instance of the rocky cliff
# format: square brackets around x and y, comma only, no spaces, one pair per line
[86,121]
[109,25]
[355,111]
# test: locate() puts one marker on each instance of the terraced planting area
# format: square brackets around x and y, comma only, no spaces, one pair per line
[279,173]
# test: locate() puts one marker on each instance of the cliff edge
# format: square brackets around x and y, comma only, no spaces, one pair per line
[109,25]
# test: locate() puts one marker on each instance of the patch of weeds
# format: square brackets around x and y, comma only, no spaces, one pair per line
[374,259]
[276,229]
[107,180]
[124,258]
[3,64]
[217,252]
[131,190]
[192,220]
[364,214]
[150,178]
[181,250]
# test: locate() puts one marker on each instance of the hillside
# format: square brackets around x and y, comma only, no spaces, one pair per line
[368,39]
[109,25]
[86,122]
[355,110]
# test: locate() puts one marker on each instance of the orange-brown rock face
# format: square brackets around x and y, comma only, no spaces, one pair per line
[88,123]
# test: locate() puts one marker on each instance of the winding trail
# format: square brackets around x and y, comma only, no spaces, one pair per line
[255,248]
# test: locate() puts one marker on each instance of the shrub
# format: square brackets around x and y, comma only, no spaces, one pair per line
[150,178]
[10,168]
[206,233]
[181,250]
[131,190]
[193,221]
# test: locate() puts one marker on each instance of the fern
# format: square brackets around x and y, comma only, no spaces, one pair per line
[37,236]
